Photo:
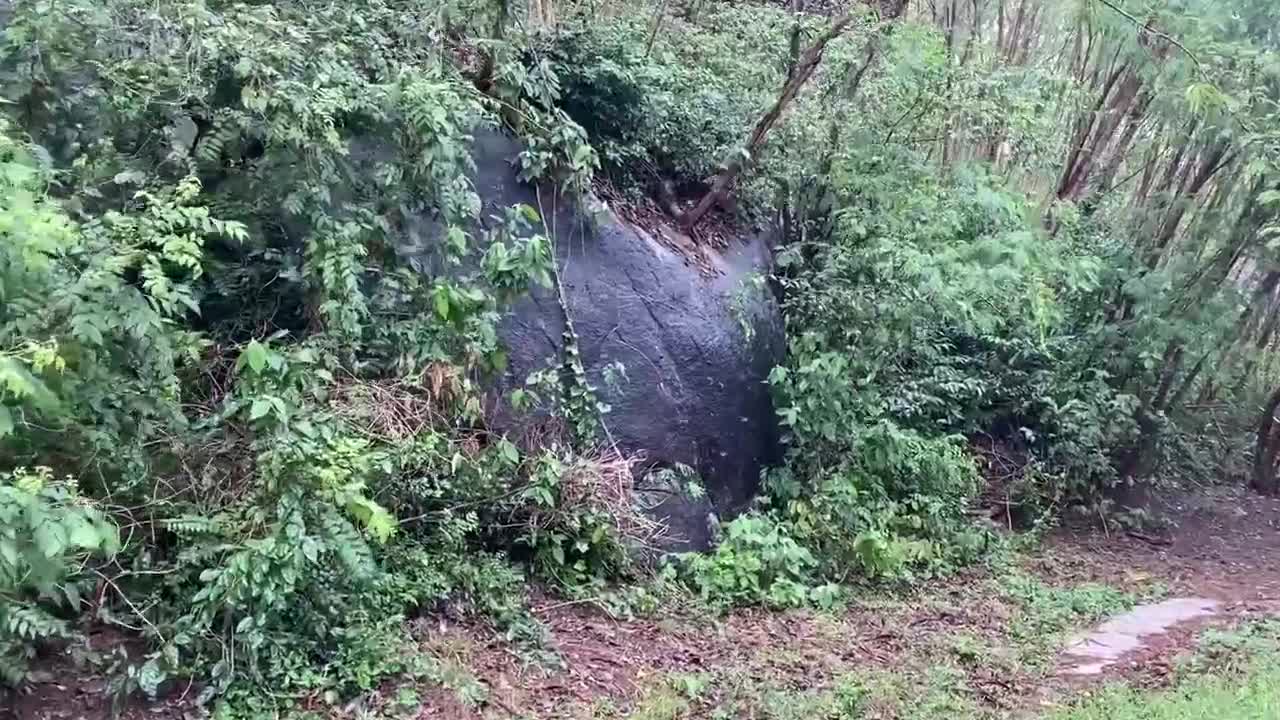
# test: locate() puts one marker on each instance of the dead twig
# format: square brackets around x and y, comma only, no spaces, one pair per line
[1149,539]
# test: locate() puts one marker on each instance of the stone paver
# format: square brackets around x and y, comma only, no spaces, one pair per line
[1091,653]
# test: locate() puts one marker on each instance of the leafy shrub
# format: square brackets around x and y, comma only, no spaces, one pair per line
[755,562]
[48,535]
[210,312]
[582,521]
[966,324]
[895,505]
[676,110]
[612,90]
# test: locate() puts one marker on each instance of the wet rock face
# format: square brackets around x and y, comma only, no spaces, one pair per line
[680,354]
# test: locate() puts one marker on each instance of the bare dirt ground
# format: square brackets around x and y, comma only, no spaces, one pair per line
[995,650]
[1225,547]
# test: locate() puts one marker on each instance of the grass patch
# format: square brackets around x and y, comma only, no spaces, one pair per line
[1253,697]
[1047,613]
[863,695]
[1236,677]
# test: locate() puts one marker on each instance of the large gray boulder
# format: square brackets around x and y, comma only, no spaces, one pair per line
[696,339]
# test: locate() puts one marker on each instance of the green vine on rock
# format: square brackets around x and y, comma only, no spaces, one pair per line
[582,409]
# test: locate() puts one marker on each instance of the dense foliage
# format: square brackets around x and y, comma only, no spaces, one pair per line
[1026,248]
[230,395]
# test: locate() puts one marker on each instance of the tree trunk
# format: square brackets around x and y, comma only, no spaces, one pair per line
[975,29]
[1014,37]
[1173,357]
[1022,54]
[1148,175]
[1217,157]
[542,14]
[1067,188]
[1121,151]
[1264,456]
[657,24]
[809,61]
[793,51]
[1000,25]
[1188,382]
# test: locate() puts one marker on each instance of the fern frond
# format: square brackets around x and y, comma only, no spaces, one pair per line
[344,541]
[27,622]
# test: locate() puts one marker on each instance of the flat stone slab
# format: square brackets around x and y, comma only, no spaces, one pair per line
[1090,654]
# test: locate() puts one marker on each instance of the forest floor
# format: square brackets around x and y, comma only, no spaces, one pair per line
[986,643]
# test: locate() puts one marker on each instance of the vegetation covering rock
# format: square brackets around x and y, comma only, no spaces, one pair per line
[678,342]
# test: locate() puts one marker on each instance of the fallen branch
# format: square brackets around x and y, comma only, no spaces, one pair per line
[1150,540]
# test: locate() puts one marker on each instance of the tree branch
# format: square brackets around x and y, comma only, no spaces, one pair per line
[1147,27]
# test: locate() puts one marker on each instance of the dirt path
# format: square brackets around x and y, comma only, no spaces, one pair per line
[1226,546]
[1225,549]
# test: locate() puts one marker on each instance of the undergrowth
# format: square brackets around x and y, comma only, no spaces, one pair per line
[1045,614]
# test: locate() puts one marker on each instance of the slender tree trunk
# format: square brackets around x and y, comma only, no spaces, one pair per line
[793,52]
[1014,38]
[1266,449]
[1148,174]
[1173,357]
[1121,151]
[1172,172]
[657,24]
[1189,381]
[542,14]
[975,29]
[1023,54]
[1217,157]
[1263,298]
[1067,187]
[949,16]
[1000,25]
[1083,70]
[809,61]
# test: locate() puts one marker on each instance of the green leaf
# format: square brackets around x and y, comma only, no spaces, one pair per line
[1269,197]
[109,536]
[519,399]
[376,520]
[50,538]
[509,451]
[260,408]
[255,355]
[442,304]
[82,533]
[278,405]
[9,553]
